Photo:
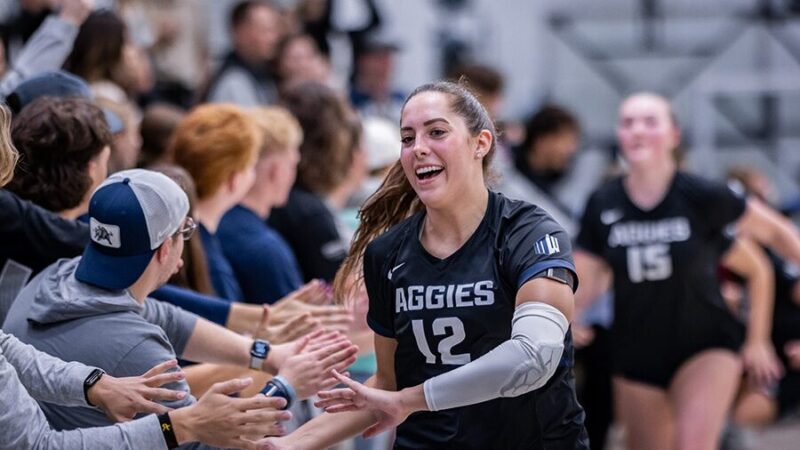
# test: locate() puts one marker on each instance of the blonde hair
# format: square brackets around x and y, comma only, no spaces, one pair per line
[280,130]
[213,142]
[8,153]
[395,199]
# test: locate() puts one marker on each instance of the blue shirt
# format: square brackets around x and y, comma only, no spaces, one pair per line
[222,278]
[262,261]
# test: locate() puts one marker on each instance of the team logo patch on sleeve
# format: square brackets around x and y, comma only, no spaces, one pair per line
[547,245]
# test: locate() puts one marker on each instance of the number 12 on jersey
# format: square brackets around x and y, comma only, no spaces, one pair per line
[453,328]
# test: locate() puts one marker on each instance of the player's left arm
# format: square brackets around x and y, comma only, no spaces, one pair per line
[766,226]
[521,364]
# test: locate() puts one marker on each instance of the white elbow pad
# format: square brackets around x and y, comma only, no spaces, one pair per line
[517,366]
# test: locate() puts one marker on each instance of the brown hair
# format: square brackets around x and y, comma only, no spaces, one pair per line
[56,138]
[483,80]
[158,124]
[8,154]
[98,47]
[194,274]
[214,142]
[395,199]
[279,129]
[241,11]
[328,146]
[550,119]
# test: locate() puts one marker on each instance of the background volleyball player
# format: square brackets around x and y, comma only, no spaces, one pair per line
[658,234]
[470,299]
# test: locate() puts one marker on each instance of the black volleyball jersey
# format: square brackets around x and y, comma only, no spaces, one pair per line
[447,312]
[664,260]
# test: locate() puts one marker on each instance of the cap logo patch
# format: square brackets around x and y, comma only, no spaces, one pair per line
[104,234]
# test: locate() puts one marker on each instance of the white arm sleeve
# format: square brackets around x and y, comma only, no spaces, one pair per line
[517,366]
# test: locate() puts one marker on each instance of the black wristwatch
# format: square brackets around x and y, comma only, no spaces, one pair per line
[90,381]
[258,353]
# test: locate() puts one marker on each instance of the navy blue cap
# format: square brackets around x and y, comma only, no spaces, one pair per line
[120,247]
[58,84]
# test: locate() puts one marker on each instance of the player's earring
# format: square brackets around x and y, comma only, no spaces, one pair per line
[478,154]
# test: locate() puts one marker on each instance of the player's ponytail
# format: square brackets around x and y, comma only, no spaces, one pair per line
[8,154]
[394,200]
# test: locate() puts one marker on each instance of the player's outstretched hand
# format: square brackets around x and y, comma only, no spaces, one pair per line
[761,362]
[123,398]
[314,359]
[387,407]
[223,421]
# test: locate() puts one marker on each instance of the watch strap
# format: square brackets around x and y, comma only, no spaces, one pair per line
[257,357]
[92,379]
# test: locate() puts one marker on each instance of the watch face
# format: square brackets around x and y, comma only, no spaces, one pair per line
[259,349]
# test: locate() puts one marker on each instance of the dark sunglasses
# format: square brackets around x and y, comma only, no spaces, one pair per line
[187,230]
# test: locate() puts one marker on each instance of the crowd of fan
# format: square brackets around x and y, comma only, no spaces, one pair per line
[273,151]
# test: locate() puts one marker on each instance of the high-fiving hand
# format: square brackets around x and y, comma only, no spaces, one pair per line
[123,398]
[388,408]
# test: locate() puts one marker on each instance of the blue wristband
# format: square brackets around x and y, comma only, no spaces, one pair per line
[279,386]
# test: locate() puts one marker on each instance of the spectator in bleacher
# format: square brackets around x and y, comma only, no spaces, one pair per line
[484,81]
[549,171]
[245,77]
[194,273]
[218,145]
[325,180]
[382,149]
[263,262]
[47,48]
[58,83]
[64,148]
[17,31]
[373,93]
[126,144]
[138,225]
[98,53]
[174,34]
[159,121]
[299,60]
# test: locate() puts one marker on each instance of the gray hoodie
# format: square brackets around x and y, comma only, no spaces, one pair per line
[78,322]
[26,372]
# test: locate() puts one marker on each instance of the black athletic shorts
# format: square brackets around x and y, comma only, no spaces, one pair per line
[655,359]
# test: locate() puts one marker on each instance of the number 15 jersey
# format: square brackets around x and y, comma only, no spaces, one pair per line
[667,301]
[445,313]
